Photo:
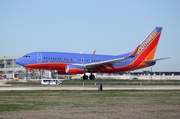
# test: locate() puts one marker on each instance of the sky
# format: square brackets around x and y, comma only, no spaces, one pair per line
[110,27]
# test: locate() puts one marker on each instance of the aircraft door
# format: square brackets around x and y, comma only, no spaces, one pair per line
[82,60]
[39,57]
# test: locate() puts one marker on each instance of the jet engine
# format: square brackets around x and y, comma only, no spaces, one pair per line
[61,72]
[74,69]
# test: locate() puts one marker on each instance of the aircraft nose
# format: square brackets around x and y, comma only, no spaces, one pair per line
[19,61]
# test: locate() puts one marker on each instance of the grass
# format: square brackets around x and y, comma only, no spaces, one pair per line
[90,104]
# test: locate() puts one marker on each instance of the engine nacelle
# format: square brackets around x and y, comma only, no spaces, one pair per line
[74,69]
[61,72]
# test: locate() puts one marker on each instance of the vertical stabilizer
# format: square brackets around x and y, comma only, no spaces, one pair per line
[147,48]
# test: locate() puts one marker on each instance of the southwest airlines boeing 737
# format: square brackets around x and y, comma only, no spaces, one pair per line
[78,63]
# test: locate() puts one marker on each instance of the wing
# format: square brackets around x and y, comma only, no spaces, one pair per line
[108,63]
[105,63]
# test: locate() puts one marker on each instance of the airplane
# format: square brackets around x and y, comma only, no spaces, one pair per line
[79,63]
[2,76]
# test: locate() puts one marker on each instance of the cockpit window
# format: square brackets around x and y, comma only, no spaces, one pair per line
[26,56]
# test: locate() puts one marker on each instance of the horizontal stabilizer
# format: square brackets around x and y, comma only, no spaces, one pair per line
[154,60]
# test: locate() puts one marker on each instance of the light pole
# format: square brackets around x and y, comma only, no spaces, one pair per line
[151,75]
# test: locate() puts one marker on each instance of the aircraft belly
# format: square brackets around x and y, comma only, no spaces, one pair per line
[48,66]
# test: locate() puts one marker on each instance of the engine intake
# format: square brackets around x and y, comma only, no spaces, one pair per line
[74,69]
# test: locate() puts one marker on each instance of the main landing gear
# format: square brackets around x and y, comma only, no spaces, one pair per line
[91,76]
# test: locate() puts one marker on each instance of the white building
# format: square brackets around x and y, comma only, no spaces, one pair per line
[9,67]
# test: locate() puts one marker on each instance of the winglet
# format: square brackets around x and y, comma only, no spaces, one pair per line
[94,52]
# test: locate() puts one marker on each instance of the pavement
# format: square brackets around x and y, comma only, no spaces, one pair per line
[4,86]
[164,87]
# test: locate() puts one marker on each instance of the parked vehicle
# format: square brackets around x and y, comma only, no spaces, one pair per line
[50,82]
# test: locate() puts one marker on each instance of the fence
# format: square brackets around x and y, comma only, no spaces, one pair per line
[94,84]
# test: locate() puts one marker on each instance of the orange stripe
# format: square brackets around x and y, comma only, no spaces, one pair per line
[151,54]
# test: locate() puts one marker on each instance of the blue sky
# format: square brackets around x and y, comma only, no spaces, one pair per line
[108,26]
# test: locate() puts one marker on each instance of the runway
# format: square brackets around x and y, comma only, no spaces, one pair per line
[167,87]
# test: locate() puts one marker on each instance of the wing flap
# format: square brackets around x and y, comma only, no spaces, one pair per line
[110,62]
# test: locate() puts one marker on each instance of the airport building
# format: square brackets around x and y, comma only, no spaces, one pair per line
[9,67]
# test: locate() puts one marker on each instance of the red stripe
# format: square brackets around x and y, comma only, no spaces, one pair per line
[50,66]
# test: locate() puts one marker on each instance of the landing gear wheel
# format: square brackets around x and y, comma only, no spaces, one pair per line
[85,77]
[92,77]
[33,75]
